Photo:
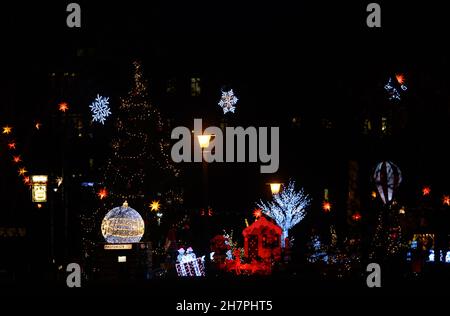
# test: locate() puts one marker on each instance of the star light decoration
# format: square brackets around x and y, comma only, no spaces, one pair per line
[326,206]
[446,200]
[100,109]
[426,191]
[102,193]
[7,130]
[155,206]
[63,107]
[395,87]
[228,101]
[22,171]
[257,213]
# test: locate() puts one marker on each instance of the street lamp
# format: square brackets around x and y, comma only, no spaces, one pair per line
[204,140]
[275,188]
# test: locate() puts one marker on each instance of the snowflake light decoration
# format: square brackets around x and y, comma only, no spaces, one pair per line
[228,101]
[100,109]
[395,87]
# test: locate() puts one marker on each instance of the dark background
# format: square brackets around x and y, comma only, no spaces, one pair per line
[313,61]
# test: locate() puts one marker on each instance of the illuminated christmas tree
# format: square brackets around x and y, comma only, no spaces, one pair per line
[140,166]
[139,169]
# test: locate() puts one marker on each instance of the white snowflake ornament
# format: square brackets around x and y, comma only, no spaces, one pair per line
[100,109]
[228,101]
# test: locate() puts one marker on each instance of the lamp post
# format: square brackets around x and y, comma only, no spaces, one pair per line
[275,187]
[204,141]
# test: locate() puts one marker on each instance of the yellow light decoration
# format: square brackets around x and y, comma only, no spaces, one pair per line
[7,130]
[22,171]
[38,125]
[155,206]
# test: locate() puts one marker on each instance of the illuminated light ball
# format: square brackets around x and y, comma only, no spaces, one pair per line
[122,225]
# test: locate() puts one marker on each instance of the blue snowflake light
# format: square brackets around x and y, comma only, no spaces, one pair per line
[228,101]
[100,109]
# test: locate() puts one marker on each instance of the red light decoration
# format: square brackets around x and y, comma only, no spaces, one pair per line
[103,193]
[257,213]
[356,217]
[400,78]
[63,107]
[26,180]
[446,200]
[17,159]
[12,145]
[426,191]
[326,206]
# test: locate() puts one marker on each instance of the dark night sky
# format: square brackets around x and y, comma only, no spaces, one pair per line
[286,58]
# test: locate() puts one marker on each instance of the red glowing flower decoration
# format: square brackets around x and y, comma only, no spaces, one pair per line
[400,78]
[426,191]
[326,206]
[12,145]
[257,213]
[26,180]
[103,193]
[17,159]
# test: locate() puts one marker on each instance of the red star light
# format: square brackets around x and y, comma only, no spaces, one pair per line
[63,107]
[426,191]
[103,193]
[446,200]
[257,213]
[326,206]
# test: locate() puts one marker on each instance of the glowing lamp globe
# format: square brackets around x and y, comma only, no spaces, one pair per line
[122,225]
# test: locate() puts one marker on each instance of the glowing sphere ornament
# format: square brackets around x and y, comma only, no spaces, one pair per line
[122,225]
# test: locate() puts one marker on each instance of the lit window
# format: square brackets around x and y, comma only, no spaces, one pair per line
[195,87]
[171,86]
[367,126]
[384,125]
